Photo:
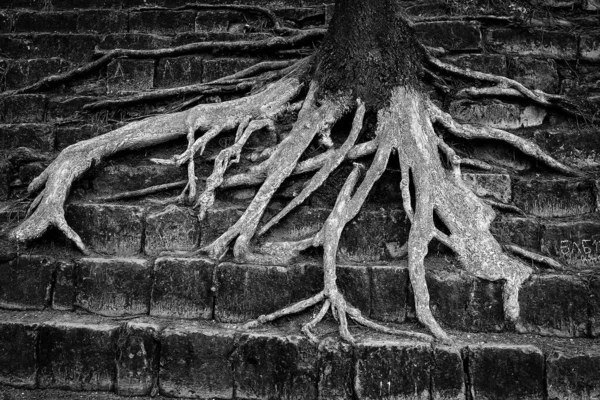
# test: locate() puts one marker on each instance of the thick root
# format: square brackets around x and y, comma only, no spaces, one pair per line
[75,160]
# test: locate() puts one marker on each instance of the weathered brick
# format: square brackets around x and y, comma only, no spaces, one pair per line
[576,242]
[368,236]
[77,354]
[551,44]
[495,186]
[355,284]
[113,287]
[219,21]
[573,376]
[244,292]
[134,41]
[165,22]
[6,22]
[101,21]
[73,47]
[270,366]
[534,73]
[518,230]
[138,359]
[216,222]
[20,73]
[33,136]
[452,35]
[463,302]
[65,21]
[183,288]
[195,361]
[14,46]
[555,305]
[130,75]
[220,67]
[108,229]
[389,293]
[110,179]
[554,198]
[18,347]
[23,108]
[497,114]
[26,283]
[590,47]
[489,63]
[178,71]
[447,376]
[63,291]
[335,370]
[594,306]
[68,135]
[388,370]
[174,228]
[6,173]
[66,108]
[506,371]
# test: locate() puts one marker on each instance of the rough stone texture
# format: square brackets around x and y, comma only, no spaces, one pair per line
[452,35]
[140,41]
[111,179]
[113,287]
[268,366]
[389,297]
[463,302]
[220,67]
[23,108]
[555,305]
[216,222]
[554,198]
[108,229]
[68,135]
[165,22]
[576,242]
[45,22]
[26,283]
[497,114]
[573,376]
[489,63]
[66,108]
[533,42]
[130,75]
[33,136]
[195,362]
[447,376]
[368,236]
[63,293]
[101,21]
[594,306]
[590,47]
[392,370]
[18,346]
[21,73]
[137,359]
[174,228]
[244,292]
[506,371]
[336,370]
[534,73]
[183,288]
[178,71]
[77,354]
[522,231]
[494,186]
[215,21]
[355,284]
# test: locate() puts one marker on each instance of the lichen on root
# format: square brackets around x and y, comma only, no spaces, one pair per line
[370,61]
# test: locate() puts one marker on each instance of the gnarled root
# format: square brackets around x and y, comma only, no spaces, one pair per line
[75,160]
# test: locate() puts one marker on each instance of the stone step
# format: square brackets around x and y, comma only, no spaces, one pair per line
[561,305]
[192,359]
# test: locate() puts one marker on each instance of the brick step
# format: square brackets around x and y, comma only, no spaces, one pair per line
[561,305]
[190,359]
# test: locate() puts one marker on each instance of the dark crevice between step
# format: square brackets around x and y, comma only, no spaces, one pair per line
[354,358]
[156,369]
[152,286]
[371,286]
[143,234]
[50,291]
[432,368]
[545,375]
[155,73]
[464,354]
[233,362]
[38,345]
[214,289]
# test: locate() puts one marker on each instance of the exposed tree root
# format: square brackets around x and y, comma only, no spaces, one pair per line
[56,180]
[552,263]
[235,83]
[504,206]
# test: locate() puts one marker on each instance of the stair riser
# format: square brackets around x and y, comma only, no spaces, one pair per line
[554,305]
[200,361]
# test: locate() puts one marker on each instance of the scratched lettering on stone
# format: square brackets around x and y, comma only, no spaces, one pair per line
[580,253]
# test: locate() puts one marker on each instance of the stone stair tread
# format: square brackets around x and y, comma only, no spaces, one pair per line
[123,356]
